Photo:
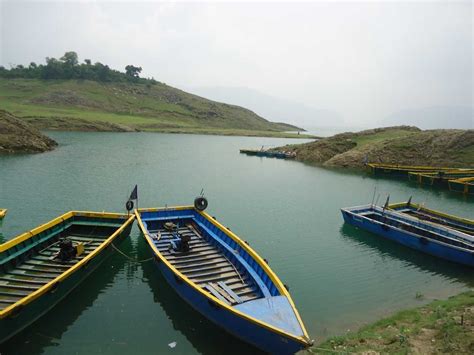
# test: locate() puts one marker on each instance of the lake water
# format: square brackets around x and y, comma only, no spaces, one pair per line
[340,278]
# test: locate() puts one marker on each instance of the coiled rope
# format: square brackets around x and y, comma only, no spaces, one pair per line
[129,257]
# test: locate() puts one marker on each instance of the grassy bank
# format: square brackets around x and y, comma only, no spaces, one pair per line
[89,105]
[440,327]
[402,145]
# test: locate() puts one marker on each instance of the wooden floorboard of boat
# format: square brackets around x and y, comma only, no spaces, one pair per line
[53,265]
[192,256]
[20,281]
[206,261]
[39,275]
[18,287]
[205,264]
[196,274]
[38,268]
[15,292]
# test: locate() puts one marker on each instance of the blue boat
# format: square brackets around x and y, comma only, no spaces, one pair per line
[438,240]
[221,277]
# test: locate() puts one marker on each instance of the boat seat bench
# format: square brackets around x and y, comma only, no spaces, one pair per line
[207,266]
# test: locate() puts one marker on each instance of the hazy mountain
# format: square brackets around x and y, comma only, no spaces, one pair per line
[434,117]
[272,108]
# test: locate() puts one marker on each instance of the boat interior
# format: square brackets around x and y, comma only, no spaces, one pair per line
[419,229]
[433,218]
[205,263]
[29,265]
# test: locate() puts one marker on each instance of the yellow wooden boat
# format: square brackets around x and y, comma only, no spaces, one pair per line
[3,213]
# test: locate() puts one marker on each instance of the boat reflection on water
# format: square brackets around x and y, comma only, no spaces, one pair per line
[48,330]
[424,262]
[205,337]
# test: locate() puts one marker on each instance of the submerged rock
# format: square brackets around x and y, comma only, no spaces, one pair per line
[17,136]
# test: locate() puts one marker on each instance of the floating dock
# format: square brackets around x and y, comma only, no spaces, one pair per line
[456,179]
[268,153]
[440,177]
[464,185]
[404,170]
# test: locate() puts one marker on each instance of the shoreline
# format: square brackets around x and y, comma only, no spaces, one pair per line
[440,326]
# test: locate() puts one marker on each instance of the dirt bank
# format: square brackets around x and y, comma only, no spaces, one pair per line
[395,145]
[17,136]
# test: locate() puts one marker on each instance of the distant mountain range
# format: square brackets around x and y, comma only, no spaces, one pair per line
[273,108]
[434,117]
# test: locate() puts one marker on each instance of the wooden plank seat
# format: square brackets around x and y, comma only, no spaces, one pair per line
[41,268]
[207,266]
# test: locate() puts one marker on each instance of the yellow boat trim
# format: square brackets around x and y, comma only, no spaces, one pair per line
[438,213]
[464,180]
[3,212]
[43,289]
[302,339]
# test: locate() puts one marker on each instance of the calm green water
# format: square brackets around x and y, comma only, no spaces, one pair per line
[339,277]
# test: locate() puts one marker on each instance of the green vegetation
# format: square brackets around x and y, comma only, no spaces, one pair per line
[440,327]
[66,95]
[394,145]
[68,67]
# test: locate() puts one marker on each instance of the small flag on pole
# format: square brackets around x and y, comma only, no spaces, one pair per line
[134,194]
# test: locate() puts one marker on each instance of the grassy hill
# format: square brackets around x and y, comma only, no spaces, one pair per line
[122,106]
[17,136]
[395,145]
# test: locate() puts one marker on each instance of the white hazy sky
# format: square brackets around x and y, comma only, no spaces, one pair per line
[364,60]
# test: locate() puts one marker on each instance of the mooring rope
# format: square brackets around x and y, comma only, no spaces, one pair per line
[129,257]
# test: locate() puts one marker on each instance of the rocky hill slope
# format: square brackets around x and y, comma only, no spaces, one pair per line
[17,136]
[403,145]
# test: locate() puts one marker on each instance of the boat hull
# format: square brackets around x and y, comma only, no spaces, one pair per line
[239,327]
[34,310]
[410,240]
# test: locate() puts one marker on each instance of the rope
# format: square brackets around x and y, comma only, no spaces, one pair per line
[129,257]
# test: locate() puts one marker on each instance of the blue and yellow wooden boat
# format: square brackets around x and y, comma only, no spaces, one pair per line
[438,240]
[224,279]
[423,213]
[41,267]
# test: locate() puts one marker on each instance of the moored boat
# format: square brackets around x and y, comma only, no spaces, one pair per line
[41,267]
[430,238]
[221,277]
[440,177]
[3,212]
[464,185]
[426,214]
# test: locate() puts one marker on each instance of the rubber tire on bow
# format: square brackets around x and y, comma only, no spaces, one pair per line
[129,205]
[200,203]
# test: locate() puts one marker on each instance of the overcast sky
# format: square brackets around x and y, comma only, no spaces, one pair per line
[364,60]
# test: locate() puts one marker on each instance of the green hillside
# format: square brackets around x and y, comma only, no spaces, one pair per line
[402,145]
[87,105]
